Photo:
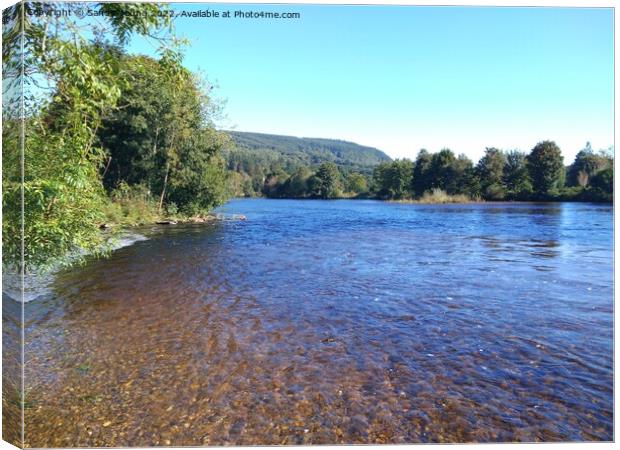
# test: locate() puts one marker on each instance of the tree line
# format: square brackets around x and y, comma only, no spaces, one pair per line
[500,175]
[254,157]
[325,181]
[539,175]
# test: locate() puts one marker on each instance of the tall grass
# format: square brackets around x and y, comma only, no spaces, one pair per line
[131,205]
[439,196]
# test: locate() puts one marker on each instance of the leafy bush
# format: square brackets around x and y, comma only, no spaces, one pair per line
[171,209]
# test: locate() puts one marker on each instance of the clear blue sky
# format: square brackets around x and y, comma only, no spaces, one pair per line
[405,78]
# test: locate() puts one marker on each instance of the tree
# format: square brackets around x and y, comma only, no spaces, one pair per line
[516,177]
[603,182]
[441,169]
[546,168]
[586,164]
[162,136]
[327,184]
[356,183]
[296,186]
[75,75]
[274,182]
[235,184]
[462,177]
[393,179]
[314,186]
[197,174]
[490,170]
[421,181]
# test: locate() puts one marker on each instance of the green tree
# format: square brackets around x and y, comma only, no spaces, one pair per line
[75,74]
[329,183]
[356,183]
[546,168]
[587,163]
[162,136]
[462,178]
[392,180]
[197,174]
[273,183]
[516,176]
[421,180]
[490,170]
[235,184]
[445,171]
[314,186]
[296,186]
[441,169]
[603,182]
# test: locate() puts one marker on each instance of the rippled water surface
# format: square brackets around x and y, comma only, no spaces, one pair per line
[333,322]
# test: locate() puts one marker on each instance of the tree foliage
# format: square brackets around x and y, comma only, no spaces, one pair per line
[328,181]
[603,184]
[516,176]
[421,181]
[462,180]
[546,168]
[297,184]
[587,163]
[490,170]
[393,179]
[498,175]
[162,137]
[356,183]
[257,155]
[71,76]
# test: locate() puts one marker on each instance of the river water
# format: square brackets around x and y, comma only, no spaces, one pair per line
[331,322]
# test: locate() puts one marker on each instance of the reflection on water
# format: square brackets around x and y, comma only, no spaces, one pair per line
[333,322]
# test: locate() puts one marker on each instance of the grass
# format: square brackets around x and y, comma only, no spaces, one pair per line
[132,205]
[438,196]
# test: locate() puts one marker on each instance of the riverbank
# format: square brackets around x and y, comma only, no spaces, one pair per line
[443,198]
[172,220]
[115,235]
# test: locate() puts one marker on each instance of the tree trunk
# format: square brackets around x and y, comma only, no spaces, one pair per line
[163,191]
[107,166]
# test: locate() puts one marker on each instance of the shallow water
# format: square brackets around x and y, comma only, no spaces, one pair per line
[332,322]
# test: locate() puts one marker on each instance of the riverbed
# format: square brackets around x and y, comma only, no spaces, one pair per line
[324,322]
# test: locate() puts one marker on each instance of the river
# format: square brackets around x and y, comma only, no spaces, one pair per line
[317,322]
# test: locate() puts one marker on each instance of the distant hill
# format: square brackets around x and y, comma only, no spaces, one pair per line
[289,153]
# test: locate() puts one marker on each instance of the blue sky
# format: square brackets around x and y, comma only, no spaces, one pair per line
[405,78]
